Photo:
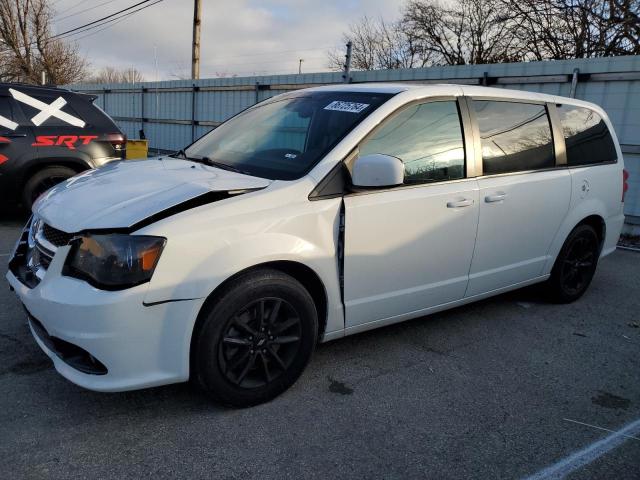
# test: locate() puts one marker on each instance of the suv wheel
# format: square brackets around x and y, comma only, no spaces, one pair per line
[256,339]
[575,266]
[42,181]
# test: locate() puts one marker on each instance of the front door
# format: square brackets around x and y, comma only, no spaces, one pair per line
[409,248]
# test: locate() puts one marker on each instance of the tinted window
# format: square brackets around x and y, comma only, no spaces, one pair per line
[284,137]
[427,138]
[9,110]
[586,135]
[514,136]
[52,121]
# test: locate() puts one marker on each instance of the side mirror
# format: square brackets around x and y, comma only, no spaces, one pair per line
[377,170]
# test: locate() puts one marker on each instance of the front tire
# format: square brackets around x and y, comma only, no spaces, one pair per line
[255,339]
[575,266]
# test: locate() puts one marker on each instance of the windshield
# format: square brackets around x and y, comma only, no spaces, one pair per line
[282,139]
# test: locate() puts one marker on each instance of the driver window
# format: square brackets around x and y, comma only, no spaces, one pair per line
[427,138]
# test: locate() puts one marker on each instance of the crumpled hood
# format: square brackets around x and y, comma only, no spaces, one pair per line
[123,193]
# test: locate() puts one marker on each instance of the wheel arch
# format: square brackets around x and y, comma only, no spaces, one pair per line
[304,274]
[598,224]
[41,163]
[592,217]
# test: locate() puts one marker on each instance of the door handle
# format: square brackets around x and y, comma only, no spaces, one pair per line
[498,197]
[465,202]
[12,134]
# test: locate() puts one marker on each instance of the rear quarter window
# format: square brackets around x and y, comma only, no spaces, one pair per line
[52,121]
[586,135]
[10,113]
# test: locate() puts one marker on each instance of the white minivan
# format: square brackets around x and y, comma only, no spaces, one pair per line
[310,216]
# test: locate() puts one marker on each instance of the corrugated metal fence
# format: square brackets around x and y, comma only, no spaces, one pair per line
[174,113]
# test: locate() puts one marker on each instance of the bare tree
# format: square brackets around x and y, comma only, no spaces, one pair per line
[131,75]
[560,29]
[27,47]
[458,32]
[378,44]
[466,32]
[115,75]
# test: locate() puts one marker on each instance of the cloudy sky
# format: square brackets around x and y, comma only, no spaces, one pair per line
[242,37]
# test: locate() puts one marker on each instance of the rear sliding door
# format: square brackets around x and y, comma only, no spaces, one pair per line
[524,197]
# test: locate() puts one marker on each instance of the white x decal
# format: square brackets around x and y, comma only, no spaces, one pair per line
[47,110]
[10,124]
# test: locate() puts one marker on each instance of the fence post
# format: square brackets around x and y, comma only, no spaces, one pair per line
[142,134]
[257,92]
[574,82]
[346,76]
[194,90]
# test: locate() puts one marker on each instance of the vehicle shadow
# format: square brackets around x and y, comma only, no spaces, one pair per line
[186,400]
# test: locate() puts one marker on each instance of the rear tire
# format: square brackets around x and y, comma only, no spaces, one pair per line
[575,266]
[256,339]
[42,181]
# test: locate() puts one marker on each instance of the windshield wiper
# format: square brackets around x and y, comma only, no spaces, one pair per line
[179,154]
[223,166]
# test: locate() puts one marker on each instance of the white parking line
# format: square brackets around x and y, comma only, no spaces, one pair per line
[598,428]
[4,254]
[588,454]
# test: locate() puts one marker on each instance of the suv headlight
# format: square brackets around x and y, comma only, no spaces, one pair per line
[114,261]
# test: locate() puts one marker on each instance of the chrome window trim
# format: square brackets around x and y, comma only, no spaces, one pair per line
[490,98]
[559,145]
[469,136]
[524,172]
[475,135]
[369,191]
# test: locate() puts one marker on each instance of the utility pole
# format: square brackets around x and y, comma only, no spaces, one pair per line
[346,76]
[195,49]
[300,65]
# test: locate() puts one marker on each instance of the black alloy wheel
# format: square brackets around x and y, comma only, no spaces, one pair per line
[260,342]
[575,266]
[578,265]
[254,338]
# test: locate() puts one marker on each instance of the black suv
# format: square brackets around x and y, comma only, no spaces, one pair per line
[48,135]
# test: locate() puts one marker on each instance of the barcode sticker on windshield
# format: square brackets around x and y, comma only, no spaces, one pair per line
[351,107]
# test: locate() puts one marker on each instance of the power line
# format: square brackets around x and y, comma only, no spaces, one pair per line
[86,28]
[117,21]
[72,7]
[101,19]
[82,11]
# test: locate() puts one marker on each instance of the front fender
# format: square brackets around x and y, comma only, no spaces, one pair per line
[177,277]
[207,246]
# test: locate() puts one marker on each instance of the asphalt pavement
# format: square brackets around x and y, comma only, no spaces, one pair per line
[503,388]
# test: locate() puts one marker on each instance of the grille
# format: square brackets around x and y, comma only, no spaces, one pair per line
[55,237]
[44,259]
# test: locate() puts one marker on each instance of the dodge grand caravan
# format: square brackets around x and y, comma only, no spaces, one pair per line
[308,217]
